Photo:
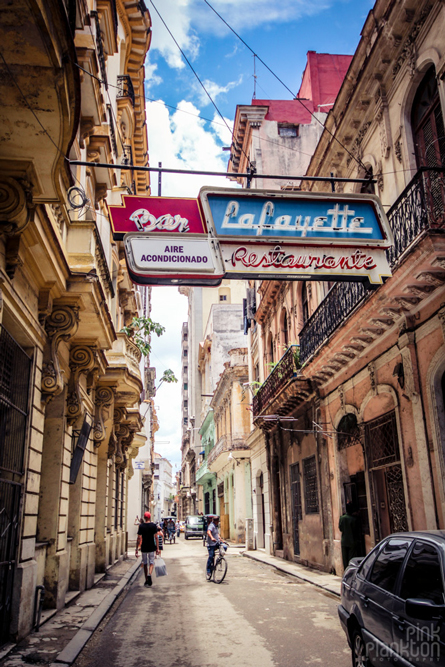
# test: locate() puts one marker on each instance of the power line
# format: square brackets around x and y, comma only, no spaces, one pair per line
[297,99]
[278,177]
[197,77]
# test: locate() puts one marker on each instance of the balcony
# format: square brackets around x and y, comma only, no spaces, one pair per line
[219,455]
[125,88]
[417,212]
[283,383]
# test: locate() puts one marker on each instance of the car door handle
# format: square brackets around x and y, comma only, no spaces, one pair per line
[365,600]
[401,623]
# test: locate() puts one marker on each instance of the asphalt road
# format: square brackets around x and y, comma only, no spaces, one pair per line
[256,618]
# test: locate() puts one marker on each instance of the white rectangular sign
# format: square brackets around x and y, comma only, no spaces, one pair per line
[168,254]
[293,262]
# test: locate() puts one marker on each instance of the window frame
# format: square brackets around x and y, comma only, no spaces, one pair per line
[405,563]
[398,580]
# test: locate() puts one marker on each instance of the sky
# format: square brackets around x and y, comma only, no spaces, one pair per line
[186,130]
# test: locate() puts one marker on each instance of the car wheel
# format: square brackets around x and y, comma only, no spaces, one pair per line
[186,537]
[359,653]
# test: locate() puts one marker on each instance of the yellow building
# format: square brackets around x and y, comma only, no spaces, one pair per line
[71,87]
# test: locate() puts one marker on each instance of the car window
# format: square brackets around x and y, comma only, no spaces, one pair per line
[423,576]
[366,566]
[388,563]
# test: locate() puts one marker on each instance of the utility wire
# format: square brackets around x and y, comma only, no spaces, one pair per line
[197,77]
[297,99]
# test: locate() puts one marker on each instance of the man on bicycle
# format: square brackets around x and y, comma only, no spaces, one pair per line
[213,540]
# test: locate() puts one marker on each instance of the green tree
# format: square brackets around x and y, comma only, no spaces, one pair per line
[140,330]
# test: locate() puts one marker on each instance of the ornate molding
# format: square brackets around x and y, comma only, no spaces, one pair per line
[83,359]
[60,326]
[103,401]
[16,205]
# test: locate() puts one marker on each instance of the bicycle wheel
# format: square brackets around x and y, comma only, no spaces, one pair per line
[219,570]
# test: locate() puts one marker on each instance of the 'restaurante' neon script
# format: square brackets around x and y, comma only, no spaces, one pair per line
[336,220]
[283,259]
[146,222]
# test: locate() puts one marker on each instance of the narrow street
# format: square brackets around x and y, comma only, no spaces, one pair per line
[256,618]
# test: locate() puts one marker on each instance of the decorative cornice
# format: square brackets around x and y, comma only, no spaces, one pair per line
[60,326]
[82,361]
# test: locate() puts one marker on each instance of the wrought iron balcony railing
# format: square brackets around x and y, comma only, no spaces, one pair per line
[125,87]
[283,373]
[420,207]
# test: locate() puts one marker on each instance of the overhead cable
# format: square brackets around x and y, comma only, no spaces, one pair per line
[297,99]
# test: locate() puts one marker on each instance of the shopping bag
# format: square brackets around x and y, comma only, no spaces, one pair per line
[160,567]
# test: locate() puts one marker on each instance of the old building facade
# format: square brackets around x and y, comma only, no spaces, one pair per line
[354,408]
[72,88]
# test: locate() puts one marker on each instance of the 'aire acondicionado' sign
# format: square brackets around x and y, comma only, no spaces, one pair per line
[232,233]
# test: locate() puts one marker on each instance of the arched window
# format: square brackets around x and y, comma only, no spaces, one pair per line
[348,431]
[427,123]
[368,188]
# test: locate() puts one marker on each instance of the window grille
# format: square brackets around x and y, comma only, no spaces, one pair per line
[310,485]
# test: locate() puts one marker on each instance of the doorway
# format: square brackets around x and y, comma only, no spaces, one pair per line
[386,477]
[297,513]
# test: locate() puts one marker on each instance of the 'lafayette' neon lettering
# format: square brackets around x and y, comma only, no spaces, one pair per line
[146,222]
[281,259]
[342,220]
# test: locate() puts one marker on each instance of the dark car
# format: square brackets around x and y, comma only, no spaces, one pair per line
[393,603]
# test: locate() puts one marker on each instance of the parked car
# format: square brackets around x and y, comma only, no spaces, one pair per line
[194,526]
[393,602]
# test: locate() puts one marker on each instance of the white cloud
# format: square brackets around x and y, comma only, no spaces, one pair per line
[151,78]
[177,17]
[214,89]
[185,18]
[182,141]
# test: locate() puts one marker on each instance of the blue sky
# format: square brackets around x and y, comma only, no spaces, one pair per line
[281,33]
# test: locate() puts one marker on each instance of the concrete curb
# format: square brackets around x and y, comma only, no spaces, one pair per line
[69,654]
[298,575]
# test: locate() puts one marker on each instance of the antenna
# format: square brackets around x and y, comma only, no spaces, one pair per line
[254,77]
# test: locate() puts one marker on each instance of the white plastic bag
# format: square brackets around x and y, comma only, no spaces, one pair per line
[160,567]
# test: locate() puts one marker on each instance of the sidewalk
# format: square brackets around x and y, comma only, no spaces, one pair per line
[63,634]
[329,582]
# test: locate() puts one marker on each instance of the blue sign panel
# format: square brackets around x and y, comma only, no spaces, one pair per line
[324,218]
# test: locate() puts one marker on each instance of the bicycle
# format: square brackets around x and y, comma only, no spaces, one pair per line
[219,567]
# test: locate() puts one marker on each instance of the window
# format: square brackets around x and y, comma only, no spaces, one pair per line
[186,405]
[185,386]
[185,353]
[304,303]
[223,297]
[366,566]
[287,130]
[427,123]
[310,485]
[423,577]
[185,370]
[387,566]
[185,421]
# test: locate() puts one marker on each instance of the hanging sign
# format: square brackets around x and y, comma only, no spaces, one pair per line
[156,215]
[190,259]
[320,219]
[302,262]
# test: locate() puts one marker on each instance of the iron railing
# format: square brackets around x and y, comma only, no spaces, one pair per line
[125,87]
[285,371]
[420,207]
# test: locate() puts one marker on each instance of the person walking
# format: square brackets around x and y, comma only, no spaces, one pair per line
[148,543]
[213,540]
[349,526]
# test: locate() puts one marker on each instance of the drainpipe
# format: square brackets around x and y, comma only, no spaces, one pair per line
[38,604]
